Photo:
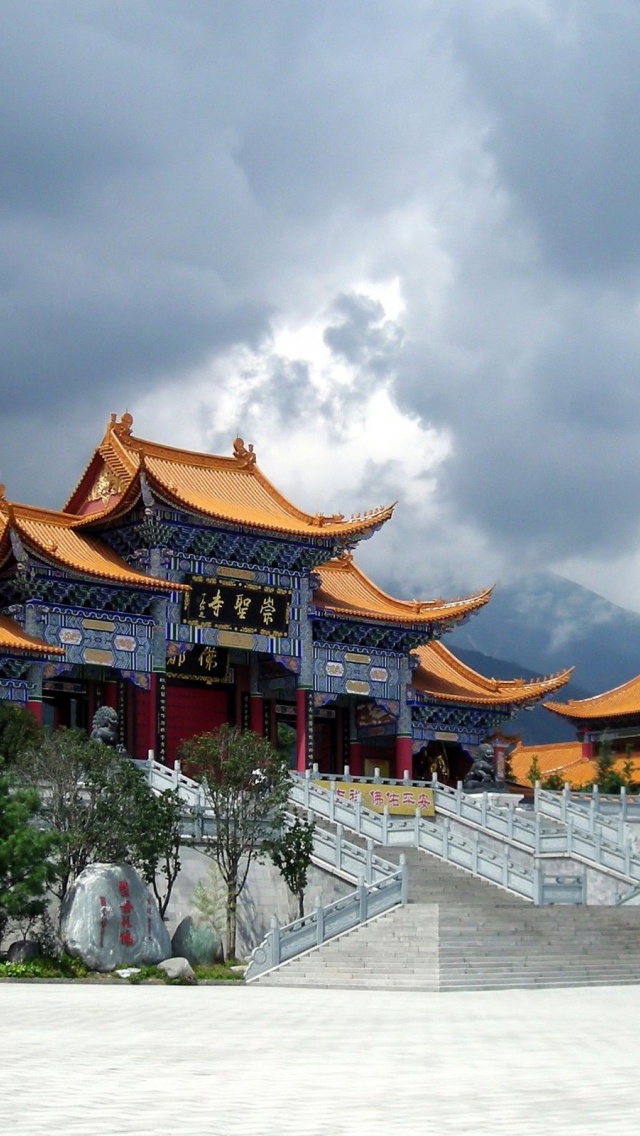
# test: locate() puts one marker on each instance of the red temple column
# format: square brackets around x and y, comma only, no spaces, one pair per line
[256,713]
[110,695]
[34,703]
[147,719]
[404,756]
[34,706]
[356,764]
[304,724]
[587,749]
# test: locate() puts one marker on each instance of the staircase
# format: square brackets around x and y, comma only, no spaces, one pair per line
[460,933]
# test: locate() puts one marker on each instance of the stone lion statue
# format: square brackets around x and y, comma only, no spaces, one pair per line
[104,727]
[482,772]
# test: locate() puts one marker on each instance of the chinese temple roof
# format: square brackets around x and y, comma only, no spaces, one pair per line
[440,675]
[622,700]
[16,641]
[345,590]
[230,489]
[565,759]
[52,536]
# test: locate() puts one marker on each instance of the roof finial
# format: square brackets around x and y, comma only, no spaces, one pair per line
[246,458]
[123,426]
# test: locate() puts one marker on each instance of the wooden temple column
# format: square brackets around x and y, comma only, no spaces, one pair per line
[158,691]
[256,699]
[356,766]
[33,625]
[588,747]
[110,694]
[304,728]
[404,737]
[304,691]
[34,701]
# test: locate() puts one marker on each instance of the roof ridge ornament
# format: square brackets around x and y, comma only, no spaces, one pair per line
[123,427]
[320,519]
[246,458]
[19,550]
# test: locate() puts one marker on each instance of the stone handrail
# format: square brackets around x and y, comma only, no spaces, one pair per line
[479,814]
[416,832]
[368,900]
[592,812]
[331,851]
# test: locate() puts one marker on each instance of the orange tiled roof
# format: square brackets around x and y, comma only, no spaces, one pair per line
[53,536]
[442,676]
[231,489]
[14,639]
[344,589]
[565,759]
[621,700]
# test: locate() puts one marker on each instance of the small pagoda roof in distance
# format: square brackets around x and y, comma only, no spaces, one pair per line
[565,759]
[441,676]
[621,701]
[52,536]
[345,590]
[229,489]
[14,640]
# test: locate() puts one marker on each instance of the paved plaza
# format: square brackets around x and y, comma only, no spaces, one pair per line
[83,1060]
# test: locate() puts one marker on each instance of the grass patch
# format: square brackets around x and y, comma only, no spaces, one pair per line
[63,967]
[218,972]
[67,967]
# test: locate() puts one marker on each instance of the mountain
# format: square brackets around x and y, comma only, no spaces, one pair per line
[544,623]
[536,726]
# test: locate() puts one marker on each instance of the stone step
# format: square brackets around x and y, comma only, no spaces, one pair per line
[462,933]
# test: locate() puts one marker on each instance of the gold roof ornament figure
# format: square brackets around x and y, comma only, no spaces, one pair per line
[246,458]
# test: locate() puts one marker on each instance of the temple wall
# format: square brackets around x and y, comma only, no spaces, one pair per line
[265,894]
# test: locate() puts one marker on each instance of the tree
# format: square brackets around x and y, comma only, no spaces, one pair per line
[100,806]
[534,772]
[291,853]
[18,731]
[245,782]
[608,779]
[553,781]
[26,870]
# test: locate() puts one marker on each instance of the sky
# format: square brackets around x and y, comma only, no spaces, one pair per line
[393,244]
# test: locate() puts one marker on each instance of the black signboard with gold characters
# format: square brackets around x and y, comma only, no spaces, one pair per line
[236,605]
[200,664]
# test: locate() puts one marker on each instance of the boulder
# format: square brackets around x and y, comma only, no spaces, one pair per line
[179,968]
[197,940]
[23,950]
[109,919]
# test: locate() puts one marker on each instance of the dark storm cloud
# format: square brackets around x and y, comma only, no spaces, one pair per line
[168,168]
[561,83]
[363,336]
[533,362]
[175,175]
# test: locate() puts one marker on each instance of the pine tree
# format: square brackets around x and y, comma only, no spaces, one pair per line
[26,870]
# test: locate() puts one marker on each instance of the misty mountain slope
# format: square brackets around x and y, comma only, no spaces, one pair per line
[544,622]
[536,726]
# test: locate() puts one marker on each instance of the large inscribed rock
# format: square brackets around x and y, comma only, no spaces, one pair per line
[110,919]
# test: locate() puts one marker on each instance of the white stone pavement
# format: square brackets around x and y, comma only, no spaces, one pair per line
[97,1060]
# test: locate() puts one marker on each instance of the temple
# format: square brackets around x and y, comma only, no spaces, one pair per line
[184,591]
[612,717]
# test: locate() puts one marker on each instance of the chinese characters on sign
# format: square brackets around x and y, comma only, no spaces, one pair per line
[201,664]
[399,800]
[236,605]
